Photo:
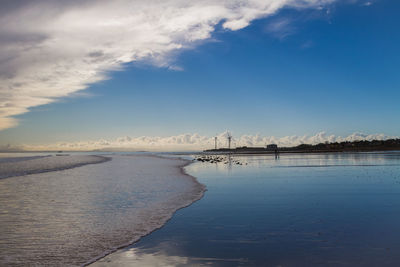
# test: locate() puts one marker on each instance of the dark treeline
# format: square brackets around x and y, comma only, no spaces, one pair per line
[364,145]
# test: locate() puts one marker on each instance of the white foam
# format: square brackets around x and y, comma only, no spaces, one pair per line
[76,216]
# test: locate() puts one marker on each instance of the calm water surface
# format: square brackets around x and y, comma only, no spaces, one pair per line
[298,210]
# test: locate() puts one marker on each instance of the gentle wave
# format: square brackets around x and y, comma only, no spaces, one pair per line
[16,159]
[79,215]
[11,167]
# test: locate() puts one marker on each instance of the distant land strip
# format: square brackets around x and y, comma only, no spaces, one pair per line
[354,146]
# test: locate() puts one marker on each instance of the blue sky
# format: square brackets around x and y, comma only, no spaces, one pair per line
[295,72]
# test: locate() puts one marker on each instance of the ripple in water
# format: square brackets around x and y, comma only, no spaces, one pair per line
[74,216]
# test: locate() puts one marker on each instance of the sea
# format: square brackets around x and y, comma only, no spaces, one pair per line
[330,209]
[74,216]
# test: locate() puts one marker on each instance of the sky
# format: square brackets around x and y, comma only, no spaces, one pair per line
[170,75]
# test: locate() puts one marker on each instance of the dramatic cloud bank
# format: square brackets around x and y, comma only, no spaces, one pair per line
[193,142]
[51,48]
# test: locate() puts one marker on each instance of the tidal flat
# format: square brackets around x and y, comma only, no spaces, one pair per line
[74,216]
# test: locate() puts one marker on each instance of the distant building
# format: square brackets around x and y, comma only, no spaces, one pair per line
[272,146]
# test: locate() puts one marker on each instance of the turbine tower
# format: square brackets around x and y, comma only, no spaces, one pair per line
[229,140]
[215,141]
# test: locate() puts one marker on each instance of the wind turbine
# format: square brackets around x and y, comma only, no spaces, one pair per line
[215,141]
[229,140]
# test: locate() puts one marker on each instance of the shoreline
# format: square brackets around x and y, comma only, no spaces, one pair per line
[259,215]
[199,194]
[90,212]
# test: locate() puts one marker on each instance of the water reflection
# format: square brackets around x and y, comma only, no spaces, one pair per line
[132,256]
[309,160]
[140,257]
[336,209]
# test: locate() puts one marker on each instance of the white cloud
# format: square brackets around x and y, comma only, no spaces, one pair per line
[192,142]
[52,49]
[281,28]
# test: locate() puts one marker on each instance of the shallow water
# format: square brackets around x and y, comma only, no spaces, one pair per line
[18,166]
[70,217]
[298,210]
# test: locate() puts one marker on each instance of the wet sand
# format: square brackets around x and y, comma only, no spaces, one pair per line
[30,165]
[75,216]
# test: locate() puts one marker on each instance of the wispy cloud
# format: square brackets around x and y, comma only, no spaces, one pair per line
[280,28]
[367,3]
[191,142]
[52,49]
